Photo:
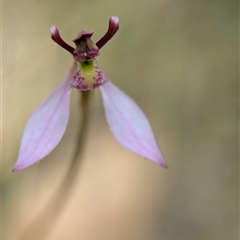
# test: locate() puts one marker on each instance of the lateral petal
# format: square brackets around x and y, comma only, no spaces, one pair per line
[46,126]
[129,124]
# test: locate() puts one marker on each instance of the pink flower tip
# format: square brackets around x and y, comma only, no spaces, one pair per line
[83,34]
[114,20]
[53,30]
[113,27]
[16,168]
[57,38]
[163,164]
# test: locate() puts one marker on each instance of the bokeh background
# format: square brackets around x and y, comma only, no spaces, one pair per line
[178,59]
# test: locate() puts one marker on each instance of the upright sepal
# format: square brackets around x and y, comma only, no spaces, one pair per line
[46,126]
[129,125]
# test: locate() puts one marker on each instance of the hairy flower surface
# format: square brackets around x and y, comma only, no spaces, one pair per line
[47,124]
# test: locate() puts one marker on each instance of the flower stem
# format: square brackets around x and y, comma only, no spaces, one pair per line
[42,225]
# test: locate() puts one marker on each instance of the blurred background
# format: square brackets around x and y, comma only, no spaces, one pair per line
[179,61]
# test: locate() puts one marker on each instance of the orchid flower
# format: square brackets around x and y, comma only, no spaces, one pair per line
[47,124]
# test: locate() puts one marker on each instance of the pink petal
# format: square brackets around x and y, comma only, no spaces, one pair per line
[129,125]
[46,126]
